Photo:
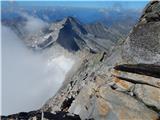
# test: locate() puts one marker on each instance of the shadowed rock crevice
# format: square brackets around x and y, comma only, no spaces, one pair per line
[67,103]
[143,69]
[134,81]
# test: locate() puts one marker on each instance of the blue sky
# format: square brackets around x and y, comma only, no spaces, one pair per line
[89,3]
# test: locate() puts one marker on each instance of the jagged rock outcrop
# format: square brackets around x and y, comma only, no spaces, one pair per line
[38,115]
[144,41]
[125,84]
[151,13]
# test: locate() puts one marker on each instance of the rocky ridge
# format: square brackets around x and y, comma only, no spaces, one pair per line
[124,85]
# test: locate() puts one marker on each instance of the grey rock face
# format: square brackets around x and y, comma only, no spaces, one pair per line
[144,41]
[149,95]
[151,13]
[103,103]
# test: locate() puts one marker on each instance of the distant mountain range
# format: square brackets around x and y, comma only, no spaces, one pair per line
[111,18]
[102,26]
[71,34]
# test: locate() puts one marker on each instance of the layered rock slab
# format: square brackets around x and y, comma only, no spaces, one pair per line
[104,103]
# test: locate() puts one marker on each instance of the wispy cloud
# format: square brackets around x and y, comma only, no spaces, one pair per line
[33,24]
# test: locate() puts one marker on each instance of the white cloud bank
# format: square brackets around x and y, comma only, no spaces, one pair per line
[33,24]
[28,78]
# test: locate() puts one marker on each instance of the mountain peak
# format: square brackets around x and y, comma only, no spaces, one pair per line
[72,29]
[70,18]
[75,25]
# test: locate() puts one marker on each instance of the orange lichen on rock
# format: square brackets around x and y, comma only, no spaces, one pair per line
[103,107]
[121,83]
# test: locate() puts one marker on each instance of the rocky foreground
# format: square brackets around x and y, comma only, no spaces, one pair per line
[123,84]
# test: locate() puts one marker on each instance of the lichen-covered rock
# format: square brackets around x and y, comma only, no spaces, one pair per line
[135,78]
[126,107]
[104,103]
[143,43]
[149,95]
